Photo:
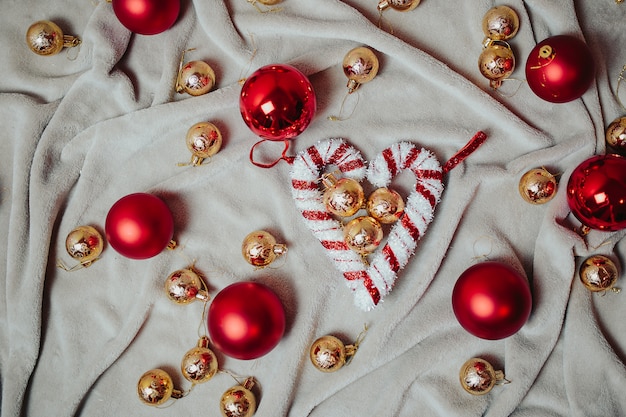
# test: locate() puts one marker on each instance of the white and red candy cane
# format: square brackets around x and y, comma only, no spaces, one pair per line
[369,283]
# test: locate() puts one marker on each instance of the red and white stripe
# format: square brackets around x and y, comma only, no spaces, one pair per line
[369,283]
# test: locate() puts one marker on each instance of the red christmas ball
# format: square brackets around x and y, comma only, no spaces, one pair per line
[491,300]
[139,226]
[246,320]
[560,69]
[147,17]
[596,192]
[277,102]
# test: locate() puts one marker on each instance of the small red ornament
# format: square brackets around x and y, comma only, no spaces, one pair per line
[277,102]
[139,226]
[560,69]
[246,320]
[596,192]
[491,300]
[146,17]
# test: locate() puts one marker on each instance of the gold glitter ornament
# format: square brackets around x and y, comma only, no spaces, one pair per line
[46,38]
[195,77]
[184,286]
[199,363]
[599,273]
[259,248]
[385,205]
[239,401]
[399,5]
[343,197]
[360,65]
[84,244]
[478,376]
[537,186]
[363,234]
[329,354]
[500,23]
[156,387]
[496,62]
[203,140]
[616,135]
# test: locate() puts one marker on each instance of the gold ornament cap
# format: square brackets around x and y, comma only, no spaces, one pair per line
[537,186]
[46,38]
[399,5]
[195,77]
[363,234]
[185,286]
[203,140]
[199,363]
[156,387]
[496,62]
[342,197]
[385,205]
[500,23]
[360,65]
[259,248]
[478,376]
[239,401]
[599,273]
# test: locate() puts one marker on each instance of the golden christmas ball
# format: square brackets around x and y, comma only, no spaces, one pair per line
[239,401]
[500,23]
[259,248]
[478,376]
[155,387]
[269,2]
[537,186]
[195,77]
[363,234]
[360,65]
[203,140]
[46,38]
[399,5]
[496,62]
[329,354]
[616,135]
[343,197]
[199,363]
[598,273]
[385,205]
[85,244]
[184,286]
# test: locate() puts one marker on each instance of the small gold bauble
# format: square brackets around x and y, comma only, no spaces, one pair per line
[84,244]
[537,186]
[343,197]
[496,62]
[195,77]
[260,249]
[239,401]
[46,38]
[184,286]
[204,140]
[385,205]
[598,273]
[155,387]
[329,354]
[399,5]
[478,376]
[199,364]
[363,234]
[360,65]
[616,135]
[500,23]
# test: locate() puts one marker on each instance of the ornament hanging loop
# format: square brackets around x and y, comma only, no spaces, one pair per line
[288,159]
[179,87]
[351,89]
[620,78]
